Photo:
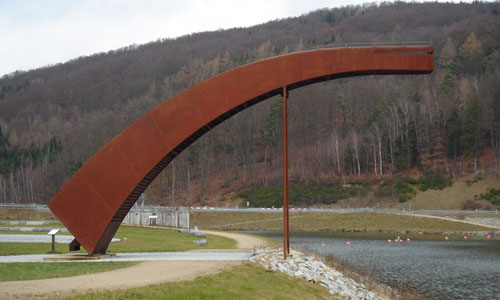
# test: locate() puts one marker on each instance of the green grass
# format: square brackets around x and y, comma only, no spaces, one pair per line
[138,239]
[29,271]
[31,248]
[155,240]
[354,222]
[242,282]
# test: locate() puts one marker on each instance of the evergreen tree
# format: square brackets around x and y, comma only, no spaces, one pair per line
[470,55]
[471,137]
[349,159]
[273,123]
[453,134]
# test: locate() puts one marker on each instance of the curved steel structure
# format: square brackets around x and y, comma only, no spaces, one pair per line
[94,201]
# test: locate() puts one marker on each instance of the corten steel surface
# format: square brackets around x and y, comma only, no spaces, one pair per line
[94,201]
[286,227]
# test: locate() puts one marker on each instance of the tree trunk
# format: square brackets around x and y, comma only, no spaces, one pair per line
[244,169]
[173,184]
[375,157]
[355,141]
[337,154]
[475,163]
[188,178]
[380,155]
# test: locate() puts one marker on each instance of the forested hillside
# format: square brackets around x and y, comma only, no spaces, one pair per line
[343,133]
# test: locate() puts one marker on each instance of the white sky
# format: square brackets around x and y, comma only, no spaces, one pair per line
[36,33]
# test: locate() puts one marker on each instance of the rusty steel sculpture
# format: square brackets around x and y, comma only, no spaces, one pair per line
[94,201]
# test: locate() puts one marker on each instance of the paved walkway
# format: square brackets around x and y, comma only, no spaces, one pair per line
[38,238]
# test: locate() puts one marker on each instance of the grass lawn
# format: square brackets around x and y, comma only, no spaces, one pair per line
[138,239]
[28,271]
[32,248]
[26,214]
[369,222]
[155,240]
[242,282]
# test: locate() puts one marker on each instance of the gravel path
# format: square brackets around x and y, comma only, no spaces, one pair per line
[155,268]
[243,241]
[143,256]
[38,238]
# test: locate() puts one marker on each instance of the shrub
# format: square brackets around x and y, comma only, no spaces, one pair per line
[268,196]
[384,191]
[470,205]
[473,180]
[410,180]
[401,188]
[493,196]
[433,180]
[404,191]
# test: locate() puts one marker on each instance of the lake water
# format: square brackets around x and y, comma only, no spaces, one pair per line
[435,269]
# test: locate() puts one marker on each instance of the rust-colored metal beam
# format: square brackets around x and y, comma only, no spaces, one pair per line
[286,228]
[94,201]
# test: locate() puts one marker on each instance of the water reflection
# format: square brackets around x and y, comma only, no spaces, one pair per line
[436,269]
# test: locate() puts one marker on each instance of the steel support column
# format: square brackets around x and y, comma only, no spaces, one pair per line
[286,227]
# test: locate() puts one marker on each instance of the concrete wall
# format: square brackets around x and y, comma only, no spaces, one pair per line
[168,217]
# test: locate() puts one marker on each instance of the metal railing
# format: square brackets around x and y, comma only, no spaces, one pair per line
[269,209]
[374,44]
[24,205]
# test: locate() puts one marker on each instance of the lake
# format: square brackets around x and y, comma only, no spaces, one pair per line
[436,269]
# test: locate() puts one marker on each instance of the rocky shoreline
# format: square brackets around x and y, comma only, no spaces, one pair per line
[302,266]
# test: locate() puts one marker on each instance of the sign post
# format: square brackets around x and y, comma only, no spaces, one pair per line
[53,233]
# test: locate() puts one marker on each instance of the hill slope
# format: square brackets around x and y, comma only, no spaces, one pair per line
[352,130]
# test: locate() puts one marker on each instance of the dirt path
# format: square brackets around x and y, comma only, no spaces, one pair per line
[145,273]
[243,241]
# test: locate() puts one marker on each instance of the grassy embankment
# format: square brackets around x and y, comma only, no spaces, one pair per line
[372,224]
[246,281]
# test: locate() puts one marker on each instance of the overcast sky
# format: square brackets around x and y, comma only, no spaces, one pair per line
[36,33]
